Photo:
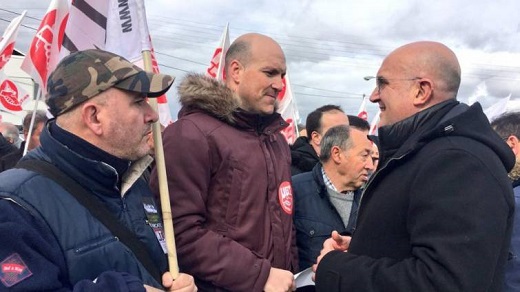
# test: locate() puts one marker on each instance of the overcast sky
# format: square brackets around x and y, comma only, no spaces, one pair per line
[330,45]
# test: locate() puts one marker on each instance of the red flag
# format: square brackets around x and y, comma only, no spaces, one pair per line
[362,112]
[8,39]
[288,109]
[116,26]
[216,65]
[43,55]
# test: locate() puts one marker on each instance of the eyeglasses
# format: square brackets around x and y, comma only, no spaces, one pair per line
[381,81]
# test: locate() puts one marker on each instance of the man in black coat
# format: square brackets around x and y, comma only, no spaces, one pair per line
[306,149]
[437,214]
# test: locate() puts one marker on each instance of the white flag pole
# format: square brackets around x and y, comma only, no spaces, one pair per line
[224,42]
[164,194]
[31,126]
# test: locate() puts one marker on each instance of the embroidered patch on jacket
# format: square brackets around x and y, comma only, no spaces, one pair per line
[13,270]
[285,197]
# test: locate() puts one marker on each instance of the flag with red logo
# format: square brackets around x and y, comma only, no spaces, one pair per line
[116,26]
[217,63]
[43,55]
[12,96]
[374,124]
[8,39]
[288,109]
[362,112]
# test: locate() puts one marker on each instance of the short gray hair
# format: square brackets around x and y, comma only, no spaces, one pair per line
[336,136]
[10,131]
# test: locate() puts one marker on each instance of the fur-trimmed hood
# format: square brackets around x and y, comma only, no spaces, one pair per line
[199,92]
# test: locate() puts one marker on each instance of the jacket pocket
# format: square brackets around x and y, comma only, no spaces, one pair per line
[94,244]
[310,236]
[233,200]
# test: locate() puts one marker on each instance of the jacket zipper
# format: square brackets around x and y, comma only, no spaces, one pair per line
[372,179]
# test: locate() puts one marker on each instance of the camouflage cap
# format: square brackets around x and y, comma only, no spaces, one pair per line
[85,74]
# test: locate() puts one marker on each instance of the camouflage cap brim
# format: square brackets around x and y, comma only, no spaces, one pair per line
[153,85]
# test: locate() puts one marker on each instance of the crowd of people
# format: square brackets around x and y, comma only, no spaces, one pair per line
[426,205]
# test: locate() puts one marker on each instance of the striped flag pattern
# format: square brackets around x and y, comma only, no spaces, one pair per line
[116,26]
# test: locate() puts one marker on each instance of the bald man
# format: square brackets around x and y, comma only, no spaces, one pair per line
[229,174]
[438,213]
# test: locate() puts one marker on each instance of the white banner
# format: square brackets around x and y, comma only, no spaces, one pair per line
[43,55]
[289,110]
[217,63]
[8,39]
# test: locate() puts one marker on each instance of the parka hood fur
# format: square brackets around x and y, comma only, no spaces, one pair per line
[199,92]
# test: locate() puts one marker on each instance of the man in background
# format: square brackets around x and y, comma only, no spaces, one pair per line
[306,149]
[10,160]
[11,133]
[327,198]
[40,118]
[507,127]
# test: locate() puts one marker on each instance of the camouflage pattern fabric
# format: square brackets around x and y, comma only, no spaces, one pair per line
[85,74]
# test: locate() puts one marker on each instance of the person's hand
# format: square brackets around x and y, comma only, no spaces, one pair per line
[183,283]
[336,242]
[280,280]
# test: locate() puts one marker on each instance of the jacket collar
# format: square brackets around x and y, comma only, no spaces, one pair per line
[201,93]
[403,136]
[95,175]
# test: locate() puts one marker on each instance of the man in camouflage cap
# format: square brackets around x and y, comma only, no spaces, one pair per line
[85,74]
[98,139]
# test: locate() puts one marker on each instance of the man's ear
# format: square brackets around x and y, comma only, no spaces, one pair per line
[424,92]
[335,154]
[234,70]
[315,138]
[90,116]
[514,143]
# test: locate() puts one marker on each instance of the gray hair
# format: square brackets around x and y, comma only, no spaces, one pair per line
[11,132]
[338,136]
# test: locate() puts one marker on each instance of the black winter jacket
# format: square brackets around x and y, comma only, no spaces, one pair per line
[303,156]
[437,215]
[314,215]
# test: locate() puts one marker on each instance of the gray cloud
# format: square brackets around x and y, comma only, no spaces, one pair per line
[330,45]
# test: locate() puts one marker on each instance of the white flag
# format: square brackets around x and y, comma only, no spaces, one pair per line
[362,112]
[217,63]
[497,108]
[119,27]
[289,110]
[374,125]
[43,55]
[8,39]
[12,96]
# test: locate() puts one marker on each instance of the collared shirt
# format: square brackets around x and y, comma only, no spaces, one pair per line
[327,181]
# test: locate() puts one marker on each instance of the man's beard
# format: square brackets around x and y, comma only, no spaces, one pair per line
[514,174]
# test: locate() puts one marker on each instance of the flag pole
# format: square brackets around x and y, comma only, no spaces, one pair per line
[31,126]
[222,58]
[160,164]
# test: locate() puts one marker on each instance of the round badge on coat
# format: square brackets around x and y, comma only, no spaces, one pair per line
[285,197]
